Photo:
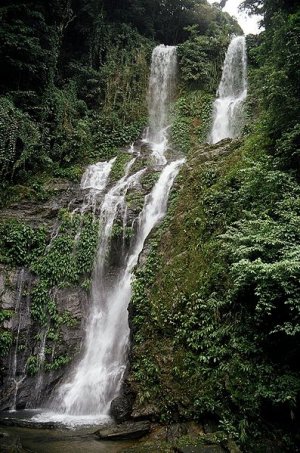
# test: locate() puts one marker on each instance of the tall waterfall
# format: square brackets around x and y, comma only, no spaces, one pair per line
[161,92]
[87,394]
[232,92]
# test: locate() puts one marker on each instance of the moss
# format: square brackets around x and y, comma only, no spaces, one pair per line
[148,180]
[135,200]
[6,341]
[140,164]
[119,166]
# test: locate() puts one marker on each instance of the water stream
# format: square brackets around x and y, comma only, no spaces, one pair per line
[228,107]
[86,395]
[162,86]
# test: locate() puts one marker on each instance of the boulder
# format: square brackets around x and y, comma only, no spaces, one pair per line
[121,407]
[232,446]
[124,431]
[21,423]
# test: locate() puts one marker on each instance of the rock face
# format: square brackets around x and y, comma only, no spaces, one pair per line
[124,431]
[26,377]
[29,340]
[44,338]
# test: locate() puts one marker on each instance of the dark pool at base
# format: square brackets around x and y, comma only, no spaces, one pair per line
[60,441]
[56,440]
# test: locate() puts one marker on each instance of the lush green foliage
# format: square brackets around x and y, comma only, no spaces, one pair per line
[75,75]
[6,340]
[191,119]
[218,335]
[19,243]
[119,166]
[67,260]
[61,105]
[201,59]
[215,310]
[19,137]
[276,60]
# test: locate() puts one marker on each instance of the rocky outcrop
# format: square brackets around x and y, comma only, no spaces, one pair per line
[24,382]
[121,407]
[29,339]
[42,350]
[124,431]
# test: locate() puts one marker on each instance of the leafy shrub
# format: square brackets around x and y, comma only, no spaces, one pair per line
[6,340]
[19,137]
[19,243]
[201,59]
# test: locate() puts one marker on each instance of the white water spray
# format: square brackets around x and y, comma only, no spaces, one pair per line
[228,112]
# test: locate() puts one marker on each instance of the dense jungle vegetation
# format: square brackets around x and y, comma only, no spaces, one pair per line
[73,92]
[75,75]
[221,284]
[216,307]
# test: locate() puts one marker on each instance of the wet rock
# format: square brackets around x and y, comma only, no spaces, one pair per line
[158,433]
[8,300]
[2,284]
[210,426]
[75,301]
[10,443]
[124,431]
[171,433]
[120,408]
[10,421]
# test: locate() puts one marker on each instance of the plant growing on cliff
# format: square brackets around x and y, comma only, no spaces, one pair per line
[6,340]
[19,138]
[20,244]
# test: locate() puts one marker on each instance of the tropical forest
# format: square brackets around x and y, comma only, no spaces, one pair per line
[149,226]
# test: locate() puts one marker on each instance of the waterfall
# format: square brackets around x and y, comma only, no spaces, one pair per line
[161,92]
[228,107]
[87,393]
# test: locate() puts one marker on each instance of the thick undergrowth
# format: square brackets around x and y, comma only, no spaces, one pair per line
[215,311]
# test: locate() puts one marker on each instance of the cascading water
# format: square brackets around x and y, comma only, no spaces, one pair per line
[96,380]
[162,86]
[232,92]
